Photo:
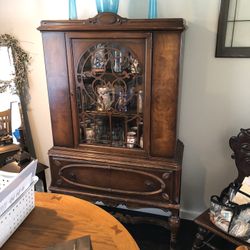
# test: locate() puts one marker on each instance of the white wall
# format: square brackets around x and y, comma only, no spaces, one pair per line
[214,95]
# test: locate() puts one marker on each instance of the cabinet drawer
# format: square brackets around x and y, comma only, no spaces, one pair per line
[144,182]
[79,174]
[111,179]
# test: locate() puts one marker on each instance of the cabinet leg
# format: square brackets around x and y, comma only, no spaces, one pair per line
[199,238]
[174,224]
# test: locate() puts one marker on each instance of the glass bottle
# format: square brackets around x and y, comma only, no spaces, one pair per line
[72,9]
[141,141]
[118,61]
[152,9]
[122,102]
[140,101]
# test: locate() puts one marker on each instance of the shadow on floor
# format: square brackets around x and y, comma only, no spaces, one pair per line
[151,237]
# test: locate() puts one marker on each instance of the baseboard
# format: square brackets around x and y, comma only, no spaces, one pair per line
[189,215]
[184,214]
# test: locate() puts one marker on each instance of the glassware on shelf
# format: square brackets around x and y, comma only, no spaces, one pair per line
[140,101]
[111,98]
[134,66]
[99,130]
[122,102]
[152,9]
[131,139]
[105,97]
[72,9]
[117,136]
[141,141]
[107,6]
[135,128]
[131,98]
[118,61]
[90,135]
[98,60]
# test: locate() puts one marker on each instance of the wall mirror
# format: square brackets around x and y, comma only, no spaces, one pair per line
[15,131]
[233,37]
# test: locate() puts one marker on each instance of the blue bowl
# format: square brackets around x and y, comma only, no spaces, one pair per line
[107,6]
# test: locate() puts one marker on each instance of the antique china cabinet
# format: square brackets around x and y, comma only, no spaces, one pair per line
[113,87]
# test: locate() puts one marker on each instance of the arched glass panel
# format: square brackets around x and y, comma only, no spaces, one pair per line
[109,82]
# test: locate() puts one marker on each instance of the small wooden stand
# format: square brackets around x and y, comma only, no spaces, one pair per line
[205,228]
[240,145]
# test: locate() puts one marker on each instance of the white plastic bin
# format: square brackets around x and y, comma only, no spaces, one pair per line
[17,199]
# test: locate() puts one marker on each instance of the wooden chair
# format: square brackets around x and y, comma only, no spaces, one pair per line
[5,121]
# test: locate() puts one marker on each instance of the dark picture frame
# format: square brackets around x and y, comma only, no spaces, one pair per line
[221,49]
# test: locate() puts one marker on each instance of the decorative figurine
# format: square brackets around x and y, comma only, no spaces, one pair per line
[98,59]
[134,66]
[122,102]
[106,95]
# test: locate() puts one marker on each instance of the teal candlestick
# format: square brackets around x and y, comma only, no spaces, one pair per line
[72,9]
[152,9]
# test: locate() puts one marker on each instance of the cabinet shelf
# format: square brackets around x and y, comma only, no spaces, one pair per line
[108,72]
[114,113]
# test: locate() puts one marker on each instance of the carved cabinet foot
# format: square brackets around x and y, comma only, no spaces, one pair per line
[174,224]
[199,238]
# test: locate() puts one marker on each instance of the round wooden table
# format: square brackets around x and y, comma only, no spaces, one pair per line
[58,218]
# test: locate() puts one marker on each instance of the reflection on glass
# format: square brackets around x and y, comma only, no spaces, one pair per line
[8,99]
[243,10]
[7,69]
[238,24]
[231,11]
[241,34]
[229,35]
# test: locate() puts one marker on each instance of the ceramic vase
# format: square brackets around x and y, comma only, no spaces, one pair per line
[107,6]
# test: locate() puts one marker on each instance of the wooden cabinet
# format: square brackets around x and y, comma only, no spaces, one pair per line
[113,88]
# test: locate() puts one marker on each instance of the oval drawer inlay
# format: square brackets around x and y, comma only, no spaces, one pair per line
[111,179]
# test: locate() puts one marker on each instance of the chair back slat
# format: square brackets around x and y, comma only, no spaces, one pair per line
[5,121]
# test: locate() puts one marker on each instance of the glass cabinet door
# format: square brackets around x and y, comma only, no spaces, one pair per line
[110,93]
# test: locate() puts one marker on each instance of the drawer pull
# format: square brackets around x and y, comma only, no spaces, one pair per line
[59,182]
[57,163]
[150,184]
[165,176]
[165,196]
[72,176]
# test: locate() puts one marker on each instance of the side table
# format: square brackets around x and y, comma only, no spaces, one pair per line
[205,226]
